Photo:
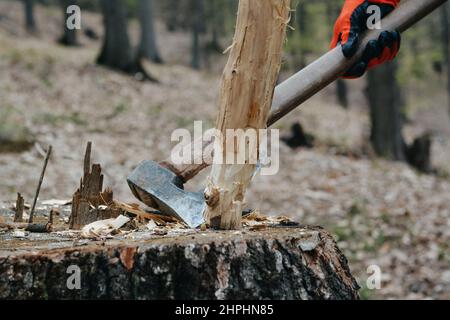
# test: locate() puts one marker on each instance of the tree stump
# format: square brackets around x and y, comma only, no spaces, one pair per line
[275,263]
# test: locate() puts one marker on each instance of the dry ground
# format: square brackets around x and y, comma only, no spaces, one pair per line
[382,213]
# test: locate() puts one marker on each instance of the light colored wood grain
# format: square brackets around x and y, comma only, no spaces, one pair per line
[246,93]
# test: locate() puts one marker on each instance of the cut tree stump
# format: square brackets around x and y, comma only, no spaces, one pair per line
[89,202]
[275,263]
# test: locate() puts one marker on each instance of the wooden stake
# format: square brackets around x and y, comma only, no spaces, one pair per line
[87,159]
[246,94]
[49,151]
[18,217]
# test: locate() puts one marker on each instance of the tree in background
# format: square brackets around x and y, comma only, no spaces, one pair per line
[69,37]
[30,21]
[301,27]
[215,18]
[333,9]
[117,52]
[148,48]
[446,46]
[342,93]
[197,25]
[216,23]
[385,102]
[171,19]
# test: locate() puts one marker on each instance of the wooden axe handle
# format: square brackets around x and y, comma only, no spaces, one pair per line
[313,78]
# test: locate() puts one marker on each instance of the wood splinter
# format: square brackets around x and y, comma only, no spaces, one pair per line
[89,202]
[20,204]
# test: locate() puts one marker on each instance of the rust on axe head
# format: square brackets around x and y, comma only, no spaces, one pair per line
[152,184]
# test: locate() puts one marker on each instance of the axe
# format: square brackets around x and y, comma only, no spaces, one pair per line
[161,185]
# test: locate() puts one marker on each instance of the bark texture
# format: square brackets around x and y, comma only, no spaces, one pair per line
[272,264]
[246,93]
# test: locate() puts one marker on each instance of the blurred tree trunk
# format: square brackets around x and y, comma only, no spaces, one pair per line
[342,93]
[385,102]
[116,52]
[301,22]
[172,17]
[197,28]
[30,22]
[333,10]
[446,46]
[216,21]
[69,37]
[148,48]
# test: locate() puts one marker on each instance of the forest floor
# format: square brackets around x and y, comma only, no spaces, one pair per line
[382,213]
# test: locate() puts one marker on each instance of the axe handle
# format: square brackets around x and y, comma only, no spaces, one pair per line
[328,68]
[313,78]
[202,159]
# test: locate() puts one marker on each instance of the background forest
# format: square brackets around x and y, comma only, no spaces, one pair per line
[373,165]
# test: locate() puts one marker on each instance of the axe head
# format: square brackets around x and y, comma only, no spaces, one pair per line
[152,184]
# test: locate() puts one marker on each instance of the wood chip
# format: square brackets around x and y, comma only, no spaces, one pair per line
[103,228]
[136,211]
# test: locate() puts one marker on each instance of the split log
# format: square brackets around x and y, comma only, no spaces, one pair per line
[246,94]
[89,203]
[276,263]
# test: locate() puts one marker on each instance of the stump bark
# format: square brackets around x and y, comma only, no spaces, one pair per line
[276,263]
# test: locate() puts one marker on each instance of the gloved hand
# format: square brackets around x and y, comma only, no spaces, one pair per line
[350,26]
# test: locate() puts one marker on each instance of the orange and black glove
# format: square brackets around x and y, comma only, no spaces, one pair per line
[348,30]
